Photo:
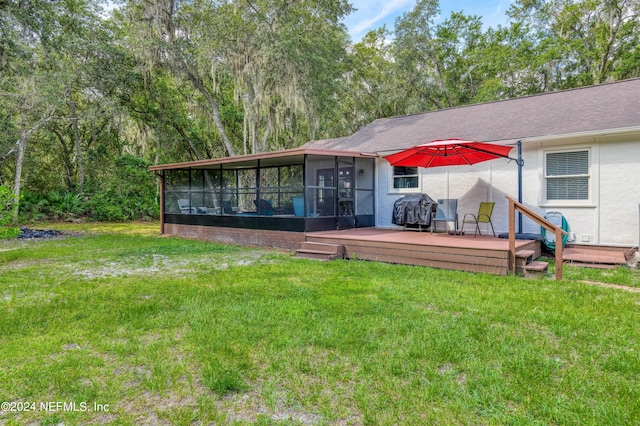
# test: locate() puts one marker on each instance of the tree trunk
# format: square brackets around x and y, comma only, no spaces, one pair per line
[254,137]
[215,110]
[265,136]
[76,139]
[185,138]
[22,143]
[441,80]
[66,159]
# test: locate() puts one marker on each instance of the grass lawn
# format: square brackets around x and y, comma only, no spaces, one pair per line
[115,325]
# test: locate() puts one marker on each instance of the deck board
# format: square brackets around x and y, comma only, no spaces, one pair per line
[457,252]
[587,255]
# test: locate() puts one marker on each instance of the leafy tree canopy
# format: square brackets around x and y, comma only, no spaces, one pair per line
[84,85]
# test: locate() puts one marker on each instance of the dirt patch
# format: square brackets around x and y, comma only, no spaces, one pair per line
[153,264]
[249,406]
[616,286]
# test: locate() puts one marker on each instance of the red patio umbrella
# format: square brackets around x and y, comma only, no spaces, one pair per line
[448,152]
[456,152]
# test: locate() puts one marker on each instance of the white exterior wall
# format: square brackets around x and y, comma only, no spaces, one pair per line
[609,217]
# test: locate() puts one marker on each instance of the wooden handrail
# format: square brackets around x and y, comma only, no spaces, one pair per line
[558,232]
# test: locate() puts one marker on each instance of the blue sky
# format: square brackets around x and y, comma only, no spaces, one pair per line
[372,14]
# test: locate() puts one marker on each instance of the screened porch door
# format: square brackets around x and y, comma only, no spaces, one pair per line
[346,206]
[324,197]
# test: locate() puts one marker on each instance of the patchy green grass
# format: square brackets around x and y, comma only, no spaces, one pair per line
[621,275]
[147,227]
[172,331]
[7,232]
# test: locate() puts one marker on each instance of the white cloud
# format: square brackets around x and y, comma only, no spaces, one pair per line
[373,13]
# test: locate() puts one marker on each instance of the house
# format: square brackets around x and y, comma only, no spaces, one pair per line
[581,152]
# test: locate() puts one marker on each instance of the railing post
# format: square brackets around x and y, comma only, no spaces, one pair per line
[558,233]
[513,206]
[512,236]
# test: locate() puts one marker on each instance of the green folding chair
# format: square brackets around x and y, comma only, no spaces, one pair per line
[483,216]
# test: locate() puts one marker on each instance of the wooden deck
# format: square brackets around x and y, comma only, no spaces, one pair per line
[458,252]
[595,257]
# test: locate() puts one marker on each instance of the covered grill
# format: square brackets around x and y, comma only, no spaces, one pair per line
[413,210]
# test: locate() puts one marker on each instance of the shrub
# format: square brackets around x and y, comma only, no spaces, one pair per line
[129,194]
[6,210]
[54,205]
[63,205]
[30,206]
[6,204]
[7,232]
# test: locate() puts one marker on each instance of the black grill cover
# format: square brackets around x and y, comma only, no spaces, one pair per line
[413,209]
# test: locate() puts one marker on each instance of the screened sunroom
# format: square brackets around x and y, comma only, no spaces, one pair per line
[296,190]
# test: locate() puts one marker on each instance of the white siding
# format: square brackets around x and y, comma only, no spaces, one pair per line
[619,191]
[609,217]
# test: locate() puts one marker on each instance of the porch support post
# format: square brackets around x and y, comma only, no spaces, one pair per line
[220,191]
[512,237]
[336,194]
[304,189]
[520,164]
[161,176]
[258,191]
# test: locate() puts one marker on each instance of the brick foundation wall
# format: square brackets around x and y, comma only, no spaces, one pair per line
[256,237]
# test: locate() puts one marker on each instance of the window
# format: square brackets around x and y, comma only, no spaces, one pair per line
[405,177]
[233,191]
[567,175]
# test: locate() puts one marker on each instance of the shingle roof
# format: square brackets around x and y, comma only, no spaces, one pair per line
[251,160]
[594,108]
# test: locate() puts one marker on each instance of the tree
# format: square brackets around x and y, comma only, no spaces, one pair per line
[371,83]
[27,87]
[583,42]
[435,61]
[279,58]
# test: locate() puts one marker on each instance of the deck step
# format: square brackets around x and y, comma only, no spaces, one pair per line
[338,249]
[523,257]
[535,268]
[315,255]
[525,254]
[320,251]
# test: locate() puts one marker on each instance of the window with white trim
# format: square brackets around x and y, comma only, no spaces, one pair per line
[567,175]
[405,177]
